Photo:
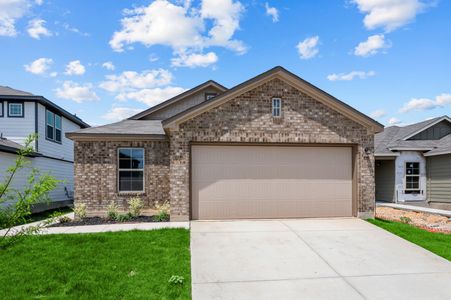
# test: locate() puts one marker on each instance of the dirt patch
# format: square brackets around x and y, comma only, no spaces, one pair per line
[429,222]
[101,221]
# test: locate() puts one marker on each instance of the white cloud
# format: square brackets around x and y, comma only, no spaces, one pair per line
[378,114]
[426,103]
[394,121]
[108,65]
[39,2]
[131,80]
[153,57]
[120,113]
[151,97]
[149,86]
[76,92]
[351,75]
[372,45]
[40,66]
[73,29]
[308,48]
[184,28]
[10,12]
[75,68]
[194,60]
[36,29]
[272,12]
[388,14]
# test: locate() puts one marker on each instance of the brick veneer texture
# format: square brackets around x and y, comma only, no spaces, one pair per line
[95,170]
[247,119]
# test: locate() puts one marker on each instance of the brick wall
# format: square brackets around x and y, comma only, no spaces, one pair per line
[247,118]
[96,174]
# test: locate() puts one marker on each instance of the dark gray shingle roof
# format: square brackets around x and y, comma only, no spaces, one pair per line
[125,127]
[5,143]
[393,138]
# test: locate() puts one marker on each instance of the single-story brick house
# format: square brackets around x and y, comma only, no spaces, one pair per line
[271,147]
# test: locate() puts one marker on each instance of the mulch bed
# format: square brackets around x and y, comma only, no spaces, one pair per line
[429,222]
[102,221]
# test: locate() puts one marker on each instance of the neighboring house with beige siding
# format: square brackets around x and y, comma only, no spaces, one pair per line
[21,114]
[274,146]
[413,163]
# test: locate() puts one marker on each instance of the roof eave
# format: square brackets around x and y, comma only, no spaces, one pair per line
[292,79]
[75,136]
[438,153]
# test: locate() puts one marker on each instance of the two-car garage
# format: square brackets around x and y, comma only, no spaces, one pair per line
[241,181]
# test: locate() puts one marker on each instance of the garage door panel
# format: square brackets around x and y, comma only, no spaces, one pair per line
[270,182]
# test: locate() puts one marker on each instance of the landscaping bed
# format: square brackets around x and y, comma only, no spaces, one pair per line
[429,222]
[101,221]
[122,265]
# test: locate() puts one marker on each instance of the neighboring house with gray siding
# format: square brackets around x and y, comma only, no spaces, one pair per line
[274,146]
[21,114]
[413,163]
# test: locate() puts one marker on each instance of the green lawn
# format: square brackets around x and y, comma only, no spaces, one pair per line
[122,265]
[439,243]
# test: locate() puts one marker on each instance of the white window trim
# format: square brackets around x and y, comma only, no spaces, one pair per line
[119,169]
[412,175]
[15,115]
[273,107]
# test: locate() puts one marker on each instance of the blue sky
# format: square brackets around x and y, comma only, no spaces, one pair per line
[105,60]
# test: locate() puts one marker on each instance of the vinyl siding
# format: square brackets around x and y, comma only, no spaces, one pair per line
[181,105]
[385,180]
[17,129]
[439,178]
[435,132]
[65,150]
[60,170]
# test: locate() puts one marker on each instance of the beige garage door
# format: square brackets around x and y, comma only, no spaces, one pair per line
[233,182]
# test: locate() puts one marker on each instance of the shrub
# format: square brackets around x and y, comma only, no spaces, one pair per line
[35,190]
[135,205]
[123,218]
[405,220]
[111,211]
[59,217]
[163,212]
[80,210]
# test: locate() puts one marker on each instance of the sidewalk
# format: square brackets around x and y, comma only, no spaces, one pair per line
[428,210]
[98,228]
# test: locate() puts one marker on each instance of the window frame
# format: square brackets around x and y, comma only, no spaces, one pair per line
[412,190]
[54,127]
[16,102]
[2,114]
[274,107]
[131,170]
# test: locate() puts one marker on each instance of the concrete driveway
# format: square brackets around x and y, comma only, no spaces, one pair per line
[311,259]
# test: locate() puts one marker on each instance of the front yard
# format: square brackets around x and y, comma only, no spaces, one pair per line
[439,243]
[122,265]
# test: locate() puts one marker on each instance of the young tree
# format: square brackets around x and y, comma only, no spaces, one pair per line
[34,191]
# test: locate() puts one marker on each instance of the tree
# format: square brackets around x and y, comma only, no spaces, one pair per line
[22,200]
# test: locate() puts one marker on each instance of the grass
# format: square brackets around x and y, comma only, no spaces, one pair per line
[438,243]
[121,265]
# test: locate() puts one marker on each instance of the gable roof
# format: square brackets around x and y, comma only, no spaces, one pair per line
[290,78]
[194,90]
[395,138]
[127,128]
[8,93]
